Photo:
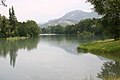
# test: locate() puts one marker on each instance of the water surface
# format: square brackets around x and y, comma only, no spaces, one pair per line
[54,57]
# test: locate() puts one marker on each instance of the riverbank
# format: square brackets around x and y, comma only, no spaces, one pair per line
[106,46]
[16,38]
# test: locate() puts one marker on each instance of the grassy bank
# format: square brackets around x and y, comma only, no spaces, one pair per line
[16,38]
[106,46]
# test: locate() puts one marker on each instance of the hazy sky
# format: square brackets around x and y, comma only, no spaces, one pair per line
[44,10]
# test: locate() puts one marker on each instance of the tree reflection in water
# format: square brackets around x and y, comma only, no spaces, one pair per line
[110,71]
[9,47]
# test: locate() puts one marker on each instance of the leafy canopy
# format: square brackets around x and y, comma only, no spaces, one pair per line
[110,11]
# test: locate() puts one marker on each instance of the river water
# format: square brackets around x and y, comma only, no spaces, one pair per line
[54,57]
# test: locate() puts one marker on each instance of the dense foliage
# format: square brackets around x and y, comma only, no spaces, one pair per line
[110,11]
[12,28]
[87,26]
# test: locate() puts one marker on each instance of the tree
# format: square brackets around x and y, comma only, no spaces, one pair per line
[31,29]
[12,28]
[13,21]
[21,29]
[3,3]
[3,27]
[70,29]
[110,11]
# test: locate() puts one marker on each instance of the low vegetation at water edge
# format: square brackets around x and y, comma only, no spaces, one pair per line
[107,46]
[16,38]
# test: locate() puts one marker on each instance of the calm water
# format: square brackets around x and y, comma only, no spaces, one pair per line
[54,57]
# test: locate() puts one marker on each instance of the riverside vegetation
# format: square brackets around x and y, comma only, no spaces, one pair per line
[12,28]
[110,70]
[108,23]
[110,11]
[84,27]
[107,46]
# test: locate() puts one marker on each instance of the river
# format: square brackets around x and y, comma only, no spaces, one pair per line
[54,57]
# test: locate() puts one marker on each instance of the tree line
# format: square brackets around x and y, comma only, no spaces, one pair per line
[87,26]
[84,27]
[10,27]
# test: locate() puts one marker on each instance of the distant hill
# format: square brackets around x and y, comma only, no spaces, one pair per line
[71,18]
[79,15]
[62,22]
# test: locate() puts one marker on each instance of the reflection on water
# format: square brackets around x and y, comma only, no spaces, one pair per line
[11,47]
[110,71]
[67,42]
[55,57]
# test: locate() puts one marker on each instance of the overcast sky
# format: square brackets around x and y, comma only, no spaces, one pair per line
[43,10]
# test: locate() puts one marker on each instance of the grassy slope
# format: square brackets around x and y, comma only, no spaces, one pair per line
[107,46]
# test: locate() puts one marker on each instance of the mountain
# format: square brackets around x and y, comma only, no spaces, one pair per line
[62,22]
[79,15]
[71,18]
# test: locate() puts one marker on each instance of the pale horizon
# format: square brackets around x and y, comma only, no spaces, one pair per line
[44,10]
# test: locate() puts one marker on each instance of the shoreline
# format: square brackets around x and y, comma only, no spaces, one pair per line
[16,38]
[107,46]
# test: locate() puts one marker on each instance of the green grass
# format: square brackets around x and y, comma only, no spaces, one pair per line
[106,46]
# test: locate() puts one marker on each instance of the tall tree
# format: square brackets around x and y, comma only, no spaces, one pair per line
[13,21]
[110,11]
